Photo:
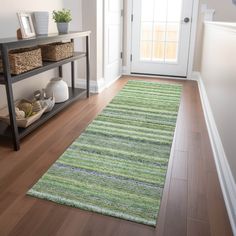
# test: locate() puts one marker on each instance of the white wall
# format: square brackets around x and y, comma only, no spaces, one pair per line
[100,39]
[225,10]
[89,8]
[8,20]
[92,11]
[76,25]
[9,24]
[217,88]
[218,75]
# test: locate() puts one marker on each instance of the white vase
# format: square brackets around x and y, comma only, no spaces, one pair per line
[41,20]
[58,89]
[63,27]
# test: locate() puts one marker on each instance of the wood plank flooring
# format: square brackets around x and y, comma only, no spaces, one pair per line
[192,201]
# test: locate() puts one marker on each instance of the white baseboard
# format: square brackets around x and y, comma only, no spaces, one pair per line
[195,76]
[125,70]
[109,83]
[225,175]
[95,86]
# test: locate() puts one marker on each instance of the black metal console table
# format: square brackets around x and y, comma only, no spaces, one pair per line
[7,79]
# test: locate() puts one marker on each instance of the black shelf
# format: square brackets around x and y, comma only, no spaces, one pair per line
[46,66]
[7,80]
[74,94]
[13,43]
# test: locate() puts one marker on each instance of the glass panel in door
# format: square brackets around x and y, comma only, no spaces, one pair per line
[160,30]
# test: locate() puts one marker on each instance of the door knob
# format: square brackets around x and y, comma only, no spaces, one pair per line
[186,19]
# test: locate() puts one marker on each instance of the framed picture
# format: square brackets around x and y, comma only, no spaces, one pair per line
[26,24]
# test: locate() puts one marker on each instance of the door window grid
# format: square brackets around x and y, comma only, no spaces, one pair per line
[160,33]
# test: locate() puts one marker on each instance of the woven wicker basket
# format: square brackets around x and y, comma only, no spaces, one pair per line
[22,60]
[57,51]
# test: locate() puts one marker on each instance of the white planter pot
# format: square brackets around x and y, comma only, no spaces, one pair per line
[63,28]
[41,21]
[58,89]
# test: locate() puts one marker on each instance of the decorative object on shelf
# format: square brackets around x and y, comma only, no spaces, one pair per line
[37,95]
[57,51]
[27,107]
[41,20]
[58,89]
[49,103]
[62,18]
[22,60]
[37,106]
[44,101]
[19,114]
[25,114]
[26,25]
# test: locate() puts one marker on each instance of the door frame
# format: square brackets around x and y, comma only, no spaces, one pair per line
[105,59]
[128,39]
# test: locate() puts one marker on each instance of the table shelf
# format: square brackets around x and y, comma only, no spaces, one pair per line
[46,66]
[6,79]
[74,94]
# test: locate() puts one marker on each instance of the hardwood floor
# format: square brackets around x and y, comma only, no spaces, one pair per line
[192,202]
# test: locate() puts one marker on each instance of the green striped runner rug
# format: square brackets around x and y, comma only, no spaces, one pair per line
[118,166]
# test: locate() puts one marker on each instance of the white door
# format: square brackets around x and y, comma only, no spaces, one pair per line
[161,37]
[113,40]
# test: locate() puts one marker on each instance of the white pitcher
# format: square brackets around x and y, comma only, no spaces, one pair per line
[58,89]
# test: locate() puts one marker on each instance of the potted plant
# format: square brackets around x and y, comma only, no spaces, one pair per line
[62,18]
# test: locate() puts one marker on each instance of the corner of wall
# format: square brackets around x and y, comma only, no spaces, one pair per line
[195,76]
